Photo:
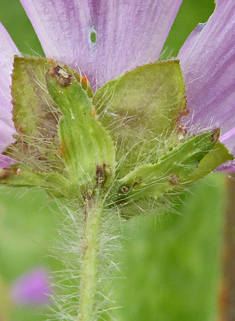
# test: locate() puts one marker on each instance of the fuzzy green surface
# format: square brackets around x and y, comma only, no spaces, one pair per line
[171,170]
[87,145]
[142,109]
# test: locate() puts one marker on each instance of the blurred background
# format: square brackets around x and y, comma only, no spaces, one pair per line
[172,265]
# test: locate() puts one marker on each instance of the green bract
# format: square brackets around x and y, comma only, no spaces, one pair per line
[168,172]
[125,141]
[143,109]
[35,116]
[86,147]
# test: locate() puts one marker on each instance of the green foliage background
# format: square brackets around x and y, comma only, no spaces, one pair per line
[170,264]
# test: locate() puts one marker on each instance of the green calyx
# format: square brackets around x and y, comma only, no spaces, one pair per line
[60,140]
[125,141]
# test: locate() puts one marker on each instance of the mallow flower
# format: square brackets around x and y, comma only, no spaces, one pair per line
[104,128]
[31,288]
[104,39]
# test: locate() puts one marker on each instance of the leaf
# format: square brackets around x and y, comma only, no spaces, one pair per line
[142,109]
[55,185]
[217,156]
[61,145]
[35,116]
[171,170]
[86,147]
[32,103]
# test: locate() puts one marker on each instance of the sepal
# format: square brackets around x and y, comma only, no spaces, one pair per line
[143,109]
[86,147]
[55,185]
[216,156]
[171,171]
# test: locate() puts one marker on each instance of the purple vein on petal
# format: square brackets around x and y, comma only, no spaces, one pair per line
[7,52]
[128,33]
[208,65]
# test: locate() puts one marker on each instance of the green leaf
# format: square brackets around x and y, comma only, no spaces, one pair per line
[35,116]
[60,145]
[217,156]
[171,170]
[32,103]
[55,185]
[142,109]
[86,147]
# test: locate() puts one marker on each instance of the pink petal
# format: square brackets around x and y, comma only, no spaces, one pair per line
[31,288]
[208,65]
[7,52]
[128,33]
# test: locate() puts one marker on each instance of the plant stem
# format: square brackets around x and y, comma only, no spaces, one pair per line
[89,259]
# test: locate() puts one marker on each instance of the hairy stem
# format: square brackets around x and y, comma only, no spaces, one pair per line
[89,259]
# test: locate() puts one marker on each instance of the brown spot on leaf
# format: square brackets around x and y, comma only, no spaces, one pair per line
[174,179]
[93,112]
[63,78]
[63,149]
[10,171]
[181,128]
[17,171]
[215,135]
[102,174]
[4,173]
[136,183]
[85,82]
[124,189]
